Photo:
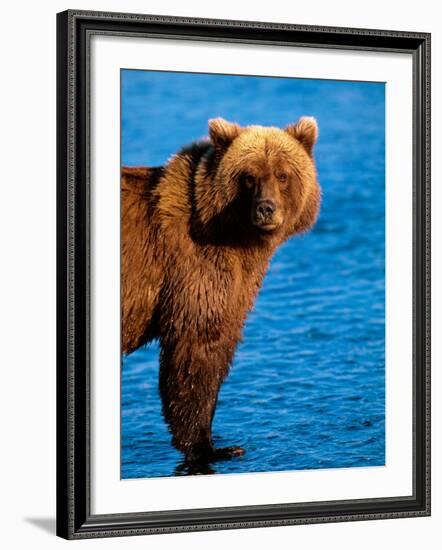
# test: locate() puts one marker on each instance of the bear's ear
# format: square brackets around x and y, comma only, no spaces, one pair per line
[222,133]
[305,131]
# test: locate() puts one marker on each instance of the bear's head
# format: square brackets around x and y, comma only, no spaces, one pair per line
[268,174]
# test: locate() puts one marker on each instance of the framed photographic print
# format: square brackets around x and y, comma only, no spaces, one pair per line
[243,274]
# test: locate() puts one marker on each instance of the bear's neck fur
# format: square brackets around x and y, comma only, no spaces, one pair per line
[199,213]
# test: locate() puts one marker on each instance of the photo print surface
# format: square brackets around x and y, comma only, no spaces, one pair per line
[302,380]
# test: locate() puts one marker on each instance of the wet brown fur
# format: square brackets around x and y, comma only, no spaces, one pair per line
[193,261]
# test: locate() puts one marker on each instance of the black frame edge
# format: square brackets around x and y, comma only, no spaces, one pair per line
[421,268]
[62,529]
[201,22]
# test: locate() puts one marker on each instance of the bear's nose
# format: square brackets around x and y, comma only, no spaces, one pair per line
[265,208]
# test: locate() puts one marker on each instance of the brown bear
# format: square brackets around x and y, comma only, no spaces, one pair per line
[197,237]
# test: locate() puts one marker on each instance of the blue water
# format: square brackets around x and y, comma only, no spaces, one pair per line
[307,385]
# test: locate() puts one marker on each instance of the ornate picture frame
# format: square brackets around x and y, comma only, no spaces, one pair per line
[75,516]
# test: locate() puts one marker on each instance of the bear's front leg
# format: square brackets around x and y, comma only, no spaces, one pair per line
[191,374]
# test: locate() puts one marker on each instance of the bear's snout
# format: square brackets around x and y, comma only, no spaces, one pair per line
[265,209]
[266,214]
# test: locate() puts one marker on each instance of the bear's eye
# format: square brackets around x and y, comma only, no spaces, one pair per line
[282,177]
[249,180]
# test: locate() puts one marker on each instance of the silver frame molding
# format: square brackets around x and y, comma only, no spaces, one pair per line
[74,31]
